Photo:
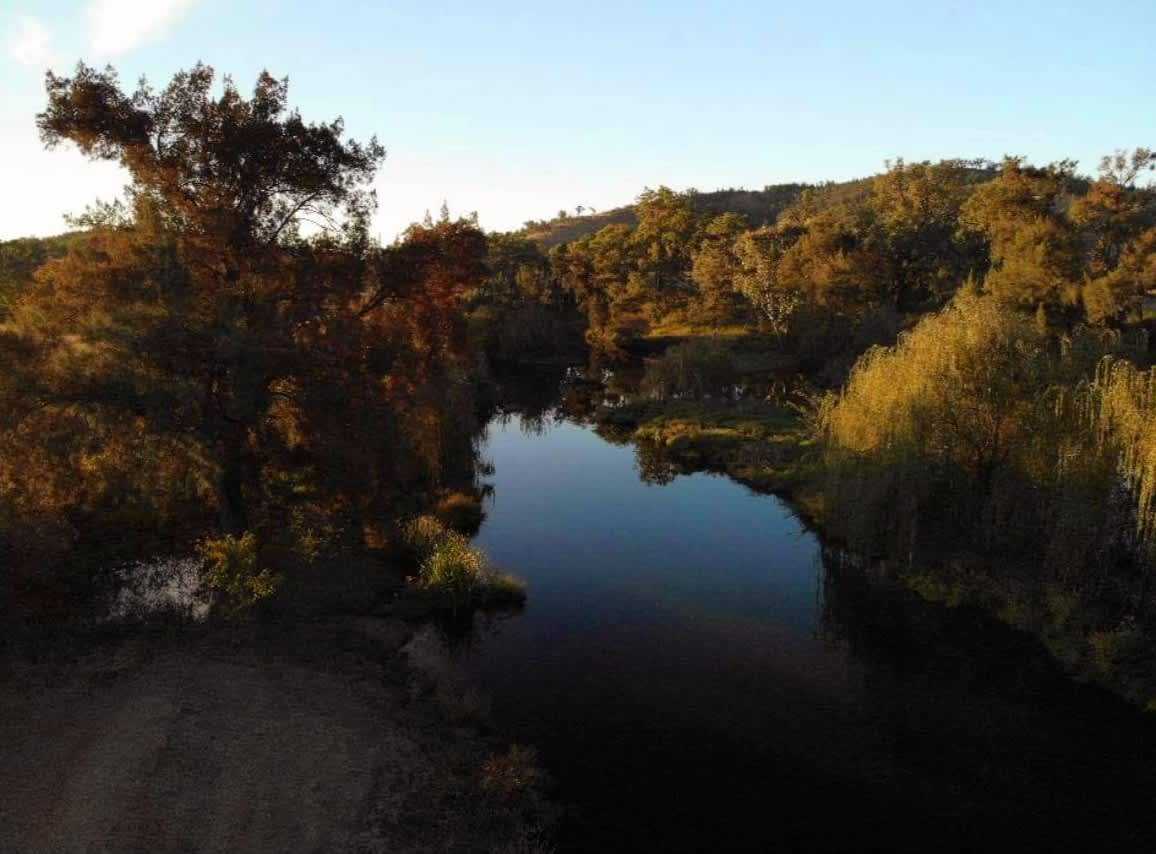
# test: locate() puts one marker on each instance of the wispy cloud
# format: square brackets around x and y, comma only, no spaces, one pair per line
[119,26]
[31,43]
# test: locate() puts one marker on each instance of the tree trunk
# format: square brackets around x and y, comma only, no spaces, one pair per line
[231,481]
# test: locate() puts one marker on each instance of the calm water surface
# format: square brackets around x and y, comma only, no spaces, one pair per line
[697,677]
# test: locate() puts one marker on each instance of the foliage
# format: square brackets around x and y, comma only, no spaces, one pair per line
[227,337]
[756,443]
[21,258]
[697,368]
[979,430]
[521,309]
[423,534]
[455,573]
[453,568]
[812,270]
[232,568]
[1112,647]
[1120,404]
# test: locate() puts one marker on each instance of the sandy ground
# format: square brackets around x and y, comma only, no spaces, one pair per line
[246,738]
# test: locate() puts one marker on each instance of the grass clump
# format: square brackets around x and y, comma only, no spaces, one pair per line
[455,574]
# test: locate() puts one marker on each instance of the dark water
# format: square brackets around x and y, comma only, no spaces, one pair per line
[699,675]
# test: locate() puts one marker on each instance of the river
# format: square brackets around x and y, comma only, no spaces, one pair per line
[698,673]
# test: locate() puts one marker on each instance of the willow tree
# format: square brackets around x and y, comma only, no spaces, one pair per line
[243,232]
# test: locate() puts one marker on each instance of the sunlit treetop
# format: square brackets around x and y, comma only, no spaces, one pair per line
[210,161]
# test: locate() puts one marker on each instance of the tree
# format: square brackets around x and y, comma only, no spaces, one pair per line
[664,238]
[916,212]
[1035,253]
[1117,224]
[195,294]
[715,267]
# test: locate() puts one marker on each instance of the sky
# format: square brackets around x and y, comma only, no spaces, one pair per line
[518,109]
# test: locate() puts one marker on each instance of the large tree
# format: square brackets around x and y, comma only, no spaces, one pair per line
[1035,252]
[242,235]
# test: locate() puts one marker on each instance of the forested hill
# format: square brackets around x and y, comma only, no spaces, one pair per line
[760,207]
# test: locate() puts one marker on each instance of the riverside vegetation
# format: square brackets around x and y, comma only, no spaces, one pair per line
[220,403]
[954,378]
[946,366]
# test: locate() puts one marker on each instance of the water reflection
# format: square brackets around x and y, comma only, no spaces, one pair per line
[700,673]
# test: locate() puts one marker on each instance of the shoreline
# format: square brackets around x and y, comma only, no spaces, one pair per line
[765,448]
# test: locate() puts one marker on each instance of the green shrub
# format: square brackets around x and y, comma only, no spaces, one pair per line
[455,573]
[232,569]
[453,569]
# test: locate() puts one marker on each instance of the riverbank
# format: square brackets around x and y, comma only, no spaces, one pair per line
[332,734]
[768,449]
[758,444]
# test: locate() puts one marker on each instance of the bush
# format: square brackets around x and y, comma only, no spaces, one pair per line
[422,534]
[453,572]
[232,568]
[453,569]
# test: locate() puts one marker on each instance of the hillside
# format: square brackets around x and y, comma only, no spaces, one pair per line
[758,206]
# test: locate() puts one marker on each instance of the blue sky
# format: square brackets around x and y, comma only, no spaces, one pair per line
[518,109]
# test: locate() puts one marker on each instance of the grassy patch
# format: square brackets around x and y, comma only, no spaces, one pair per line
[455,575]
[758,444]
[678,329]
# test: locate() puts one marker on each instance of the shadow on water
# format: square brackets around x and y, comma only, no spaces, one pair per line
[699,673]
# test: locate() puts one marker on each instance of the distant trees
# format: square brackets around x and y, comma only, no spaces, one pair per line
[715,267]
[1117,222]
[1083,253]
[916,209]
[664,239]
[1034,249]
[1040,238]
[522,309]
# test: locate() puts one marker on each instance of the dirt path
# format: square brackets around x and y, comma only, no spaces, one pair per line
[294,739]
